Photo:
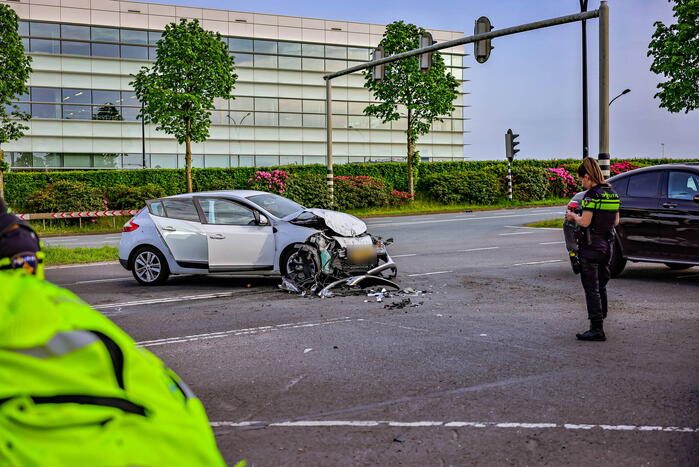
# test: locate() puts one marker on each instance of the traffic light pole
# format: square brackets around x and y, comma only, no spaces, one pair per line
[604,56]
[509,179]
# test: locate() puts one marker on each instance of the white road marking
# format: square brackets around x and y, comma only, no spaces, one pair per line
[83,265]
[242,332]
[429,273]
[154,301]
[551,243]
[461,219]
[690,275]
[403,256]
[480,249]
[539,262]
[452,424]
[114,279]
[532,228]
[516,233]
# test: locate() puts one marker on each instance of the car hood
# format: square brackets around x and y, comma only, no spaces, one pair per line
[342,224]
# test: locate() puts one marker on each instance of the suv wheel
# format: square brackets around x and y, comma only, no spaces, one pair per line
[618,262]
[150,266]
[678,266]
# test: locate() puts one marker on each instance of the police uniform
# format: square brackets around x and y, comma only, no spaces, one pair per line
[595,253]
[20,247]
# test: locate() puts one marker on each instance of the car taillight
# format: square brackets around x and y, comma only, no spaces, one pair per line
[130,226]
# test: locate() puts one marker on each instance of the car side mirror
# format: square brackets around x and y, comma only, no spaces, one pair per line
[263,220]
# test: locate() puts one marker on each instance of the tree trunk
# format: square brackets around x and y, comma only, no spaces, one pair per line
[2,175]
[188,158]
[410,162]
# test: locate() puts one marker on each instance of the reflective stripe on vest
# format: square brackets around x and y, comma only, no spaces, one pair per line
[60,344]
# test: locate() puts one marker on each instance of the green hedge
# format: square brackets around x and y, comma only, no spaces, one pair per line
[19,185]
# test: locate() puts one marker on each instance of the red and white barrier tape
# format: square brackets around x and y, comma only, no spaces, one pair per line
[76,214]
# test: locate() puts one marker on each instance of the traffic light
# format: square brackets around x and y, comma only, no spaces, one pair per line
[510,144]
[481,49]
[379,71]
[426,59]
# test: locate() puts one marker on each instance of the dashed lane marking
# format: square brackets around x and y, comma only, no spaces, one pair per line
[551,243]
[452,424]
[689,275]
[429,273]
[533,228]
[94,281]
[404,256]
[479,249]
[154,301]
[459,219]
[243,332]
[516,233]
[539,262]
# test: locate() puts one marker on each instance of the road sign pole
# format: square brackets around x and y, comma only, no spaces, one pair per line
[329,138]
[583,23]
[603,157]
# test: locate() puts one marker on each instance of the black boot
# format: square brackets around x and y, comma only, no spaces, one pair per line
[596,332]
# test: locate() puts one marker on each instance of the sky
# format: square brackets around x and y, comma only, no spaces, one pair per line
[532,81]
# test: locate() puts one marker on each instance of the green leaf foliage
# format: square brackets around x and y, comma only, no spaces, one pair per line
[65,196]
[192,68]
[426,97]
[675,52]
[15,68]
[123,197]
[308,189]
[463,187]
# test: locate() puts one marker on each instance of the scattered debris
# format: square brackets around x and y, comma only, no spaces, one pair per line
[406,302]
[307,350]
[398,440]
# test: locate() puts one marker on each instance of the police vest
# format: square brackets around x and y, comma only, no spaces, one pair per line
[75,390]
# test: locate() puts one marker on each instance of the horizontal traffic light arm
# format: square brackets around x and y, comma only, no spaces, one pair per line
[469,39]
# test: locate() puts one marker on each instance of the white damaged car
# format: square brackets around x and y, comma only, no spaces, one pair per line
[251,233]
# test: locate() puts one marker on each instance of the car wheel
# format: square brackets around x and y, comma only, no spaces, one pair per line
[300,264]
[150,266]
[678,266]
[618,262]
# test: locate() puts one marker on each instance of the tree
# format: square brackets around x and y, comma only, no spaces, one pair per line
[675,52]
[15,69]
[192,67]
[426,96]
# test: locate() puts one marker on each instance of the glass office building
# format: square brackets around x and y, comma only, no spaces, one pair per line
[85,114]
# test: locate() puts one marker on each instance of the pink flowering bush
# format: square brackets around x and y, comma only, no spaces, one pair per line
[400,197]
[562,183]
[621,167]
[273,182]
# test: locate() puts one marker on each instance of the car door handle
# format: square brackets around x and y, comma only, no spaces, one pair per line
[169,228]
[217,236]
[669,205]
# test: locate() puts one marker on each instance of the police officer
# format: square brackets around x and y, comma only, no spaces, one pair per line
[600,213]
[19,245]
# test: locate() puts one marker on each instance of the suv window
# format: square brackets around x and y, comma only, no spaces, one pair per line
[180,209]
[682,185]
[620,186]
[644,185]
[224,212]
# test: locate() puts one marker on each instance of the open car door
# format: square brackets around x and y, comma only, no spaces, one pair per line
[179,225]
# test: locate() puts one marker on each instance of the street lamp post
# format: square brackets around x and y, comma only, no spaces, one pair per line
[583,25]
[625,91]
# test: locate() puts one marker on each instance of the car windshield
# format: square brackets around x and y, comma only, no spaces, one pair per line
[276,205]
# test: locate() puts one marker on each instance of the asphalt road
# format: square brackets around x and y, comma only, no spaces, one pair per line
[484,370]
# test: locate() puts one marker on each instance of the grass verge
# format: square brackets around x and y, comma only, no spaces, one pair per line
[71,226]
[555,223]
[428,207]
[56,255]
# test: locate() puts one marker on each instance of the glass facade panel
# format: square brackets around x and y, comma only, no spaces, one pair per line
[335,65]
[23,29]
[290,105]
[356,108]
[241,118]
[45,46]
[290,63]
[335,51]
[242,103]
[46,111]
[289,48]
[340,121]
[292,120]
[163,161]
[265,61]
[266,104]
[312,50]
[76,96]
[242,59]
[106,97]
[152,53]
[339,107]
[133,161]
[47,159]
[458,125]
[314,121]
[134,51]
[358,53]
[25,44]
[266,119]
[313,64]
[130,114]
[105,34]
[154,37]
[75,48]
[457,60]
[269,47]
[313,107]
[105,50]
[197,161]
[266,161]
[239,45]
[106,112]
[106,161]
[49,30]
[354,121]
[77,160]
[22,159]
[134,36]
[45,94]
[69,31]
[129,98]
[77,112]
[217,161]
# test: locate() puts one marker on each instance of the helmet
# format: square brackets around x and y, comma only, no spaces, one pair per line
[20,248]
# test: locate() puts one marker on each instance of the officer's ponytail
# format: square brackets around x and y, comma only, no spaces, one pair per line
[591,167]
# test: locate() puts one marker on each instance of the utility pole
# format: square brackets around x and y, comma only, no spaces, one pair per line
[143,136]
[603,156]
[583,24]
[510,153]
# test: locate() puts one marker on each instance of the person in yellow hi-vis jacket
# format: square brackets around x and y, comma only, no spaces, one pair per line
[75,390]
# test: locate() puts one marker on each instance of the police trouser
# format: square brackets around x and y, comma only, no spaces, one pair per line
[594,274]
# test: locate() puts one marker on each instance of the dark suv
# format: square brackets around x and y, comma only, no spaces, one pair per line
[659,216]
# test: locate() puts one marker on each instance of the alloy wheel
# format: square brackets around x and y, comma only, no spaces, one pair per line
[147,266]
